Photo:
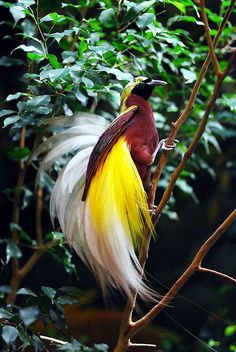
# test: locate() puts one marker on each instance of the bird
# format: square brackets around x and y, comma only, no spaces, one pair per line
[99,196]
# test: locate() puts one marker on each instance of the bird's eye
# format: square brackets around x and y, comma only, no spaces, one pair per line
[147,80]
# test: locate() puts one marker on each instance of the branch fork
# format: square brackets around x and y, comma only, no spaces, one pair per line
[129,328]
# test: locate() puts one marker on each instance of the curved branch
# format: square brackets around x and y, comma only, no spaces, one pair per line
[208,38]
[216,273]
[200,130]
[182,118]
[192,268]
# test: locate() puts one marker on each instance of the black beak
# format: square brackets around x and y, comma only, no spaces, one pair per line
[156,82]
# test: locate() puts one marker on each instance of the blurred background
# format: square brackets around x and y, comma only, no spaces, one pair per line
[206,305]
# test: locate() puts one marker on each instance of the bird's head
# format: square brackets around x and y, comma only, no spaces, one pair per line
[141,86]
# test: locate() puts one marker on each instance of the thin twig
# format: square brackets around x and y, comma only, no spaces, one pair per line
[134,327]
[182,118]
[192,268]
[16,275]
[52,340]
[16,220]
[143,345]
[208,38]
[216,273]
[201,128]
[127,323]
[38,216]
[22,272]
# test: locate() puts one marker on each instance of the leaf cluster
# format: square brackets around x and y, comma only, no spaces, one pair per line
[17,322]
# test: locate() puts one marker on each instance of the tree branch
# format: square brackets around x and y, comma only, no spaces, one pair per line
[52,340]
[16,275]
[134,327]
[216,273]
[208,38]
[127,324]
[201,128]
[182,118]
[38,216]
[192,268]
[15,220]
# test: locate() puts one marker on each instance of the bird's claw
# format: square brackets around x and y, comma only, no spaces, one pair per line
[152,209]
[168,147]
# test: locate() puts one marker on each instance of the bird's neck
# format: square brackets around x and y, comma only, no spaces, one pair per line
[138,101]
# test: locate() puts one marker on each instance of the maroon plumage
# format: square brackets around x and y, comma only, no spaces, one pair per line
[142,136]
[138,127]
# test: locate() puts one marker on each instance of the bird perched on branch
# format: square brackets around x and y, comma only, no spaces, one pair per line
[99,196]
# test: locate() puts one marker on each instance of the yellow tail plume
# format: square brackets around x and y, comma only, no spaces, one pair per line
[116,213]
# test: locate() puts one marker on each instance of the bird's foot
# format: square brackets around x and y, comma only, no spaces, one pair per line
[152,209]
[165,146]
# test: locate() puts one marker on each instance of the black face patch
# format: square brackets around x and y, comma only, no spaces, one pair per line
[143,90]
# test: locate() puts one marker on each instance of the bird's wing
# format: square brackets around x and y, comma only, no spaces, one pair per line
[105,143]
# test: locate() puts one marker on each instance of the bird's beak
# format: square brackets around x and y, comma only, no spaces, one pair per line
[156,82]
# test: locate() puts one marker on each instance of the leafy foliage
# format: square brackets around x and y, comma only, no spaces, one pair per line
[17,322]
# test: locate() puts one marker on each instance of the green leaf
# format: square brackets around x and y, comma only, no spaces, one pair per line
[28,27]
[121,76]
[82,46]
[26,291]
[10,120]
[189,76]
[5,314]
[81,97]
[49,291]
[213,343]
[145,19]
[230,330]
[17,12]
[10,61]
[55,236]
[179,5]
[186,188]
[27,196]
[29,314]
[66,300]
[9,334]
[72,291]
[16,96]
[59,35]
[88,83]
[29,49]
[19,153]
[53,16]
[12,250]
[41,100]
[6,112]
[5,289]
[54,75]
[26,3]
[34,57]
[106,15]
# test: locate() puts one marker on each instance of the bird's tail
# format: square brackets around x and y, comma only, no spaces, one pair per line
[107,228]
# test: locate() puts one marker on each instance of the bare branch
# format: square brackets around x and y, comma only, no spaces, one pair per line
[201,128]
[52,340]
[16,275]
[30,263]
[208,38]
[217,273]
[132,328]
[192,268]
[127,324]
[38,216]
[143,345]
[182,118]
